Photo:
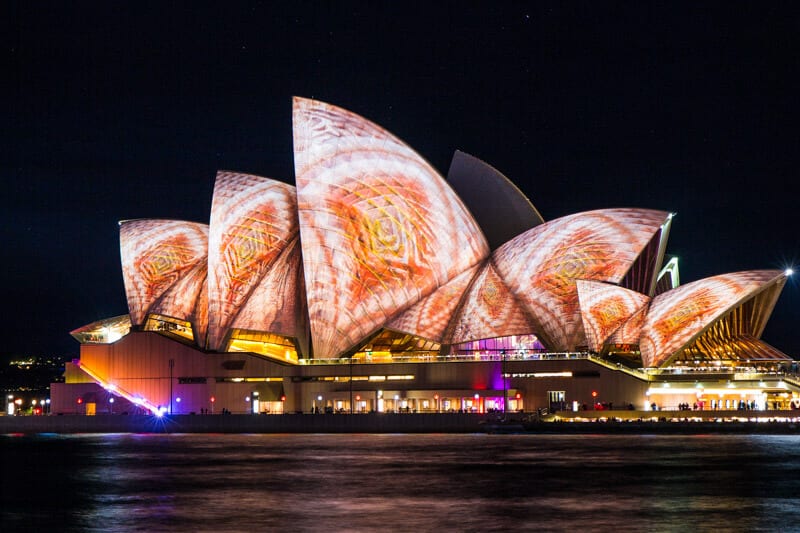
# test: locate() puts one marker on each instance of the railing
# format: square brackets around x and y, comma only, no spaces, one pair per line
[648,374]
[792,378]
[741,375]
[635,372]
[456,358]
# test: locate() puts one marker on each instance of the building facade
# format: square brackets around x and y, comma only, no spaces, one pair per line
[375,284]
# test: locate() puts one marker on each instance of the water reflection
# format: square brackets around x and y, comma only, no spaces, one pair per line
[399,482]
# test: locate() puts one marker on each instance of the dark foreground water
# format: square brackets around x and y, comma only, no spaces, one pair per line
[399,483]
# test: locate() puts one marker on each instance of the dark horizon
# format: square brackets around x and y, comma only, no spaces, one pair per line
[120,111]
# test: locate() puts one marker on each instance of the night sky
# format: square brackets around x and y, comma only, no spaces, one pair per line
[119,110]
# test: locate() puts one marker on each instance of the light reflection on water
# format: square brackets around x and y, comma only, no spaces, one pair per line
[400,482]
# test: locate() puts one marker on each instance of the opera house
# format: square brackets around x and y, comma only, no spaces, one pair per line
[377,285]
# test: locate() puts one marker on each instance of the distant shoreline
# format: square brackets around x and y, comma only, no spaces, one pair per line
[390,423]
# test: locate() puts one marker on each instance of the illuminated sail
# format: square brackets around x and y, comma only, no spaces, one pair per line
[542,265]
[253,219]
[604,308]
[380,229]
[678,316]
[155,255]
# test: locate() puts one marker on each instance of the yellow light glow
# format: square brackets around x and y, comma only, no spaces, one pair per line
[693,391]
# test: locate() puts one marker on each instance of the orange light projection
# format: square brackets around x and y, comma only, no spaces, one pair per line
[631,330]
[275,303]
[380,229]
[678,316]
[429,317]
[156,254]
[253,219]
[542,265]
[604,308]
[180,300]
[489,310]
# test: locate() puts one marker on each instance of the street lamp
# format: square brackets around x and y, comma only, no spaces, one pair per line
[171,366]
[351,384]
[505,384]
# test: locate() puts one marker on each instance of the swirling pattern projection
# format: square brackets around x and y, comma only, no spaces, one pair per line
[252,221]
[155,254]
[429,317]
[631,330]
[275,304]
[541,265]
[200,320]
[490,310]
[604,308]
[380,229]
[678,316]
[180,300]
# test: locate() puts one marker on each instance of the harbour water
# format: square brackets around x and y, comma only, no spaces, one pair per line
[400,482]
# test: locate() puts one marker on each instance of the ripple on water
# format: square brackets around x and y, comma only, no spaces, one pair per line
[400,482]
